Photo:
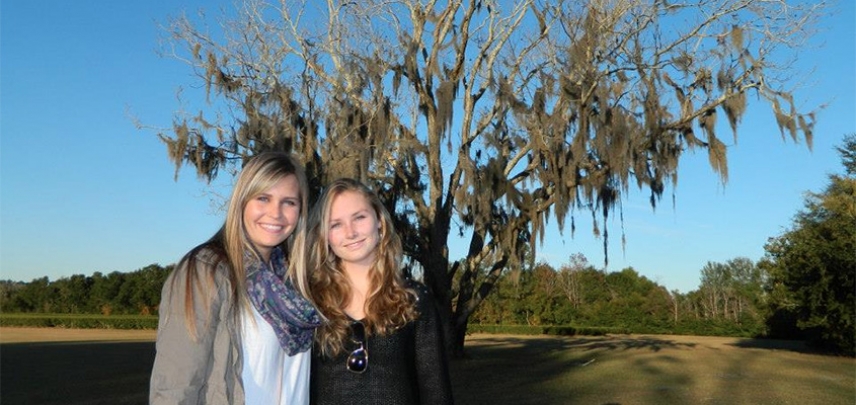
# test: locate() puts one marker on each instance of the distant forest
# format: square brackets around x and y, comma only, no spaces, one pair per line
[118,293]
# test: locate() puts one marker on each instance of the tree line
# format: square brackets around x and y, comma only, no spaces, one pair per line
[117,293]
[729,300]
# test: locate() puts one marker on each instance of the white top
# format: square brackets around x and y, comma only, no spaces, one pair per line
[270,375]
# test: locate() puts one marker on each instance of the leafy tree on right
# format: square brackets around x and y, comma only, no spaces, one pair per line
[812,266]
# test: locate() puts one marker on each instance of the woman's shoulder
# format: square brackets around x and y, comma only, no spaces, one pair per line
[205,258]
[207,253]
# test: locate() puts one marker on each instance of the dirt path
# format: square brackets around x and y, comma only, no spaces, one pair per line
[29,335]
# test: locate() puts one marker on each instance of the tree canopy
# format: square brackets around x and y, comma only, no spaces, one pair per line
[812,266]
[484,119]
[136,293]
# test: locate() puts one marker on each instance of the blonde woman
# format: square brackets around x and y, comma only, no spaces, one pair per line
[236,323]
[381,342]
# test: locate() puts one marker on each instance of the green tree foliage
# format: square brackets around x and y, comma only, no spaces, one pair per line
[623,300]
[485,119]
[812,266]
[579,295]
[729,298]
[730,290]
[9,289]
[136,293]
[631,301]
[35,296]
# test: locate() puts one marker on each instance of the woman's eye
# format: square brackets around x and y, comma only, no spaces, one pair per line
[262,198]
[334,225]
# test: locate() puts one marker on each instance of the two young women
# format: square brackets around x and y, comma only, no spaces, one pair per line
[237,318]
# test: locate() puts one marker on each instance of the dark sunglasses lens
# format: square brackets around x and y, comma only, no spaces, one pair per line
[359,332]
[358,361]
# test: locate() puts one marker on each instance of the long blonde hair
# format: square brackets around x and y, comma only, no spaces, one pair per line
[260,173]
[389,303]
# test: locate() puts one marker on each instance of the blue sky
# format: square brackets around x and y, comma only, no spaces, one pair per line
[82,189]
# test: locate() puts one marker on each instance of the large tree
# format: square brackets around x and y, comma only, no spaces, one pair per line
[812,266]
[486,119]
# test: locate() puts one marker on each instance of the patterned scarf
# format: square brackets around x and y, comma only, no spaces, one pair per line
[292,317]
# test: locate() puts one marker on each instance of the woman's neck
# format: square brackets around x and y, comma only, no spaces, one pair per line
[358,277]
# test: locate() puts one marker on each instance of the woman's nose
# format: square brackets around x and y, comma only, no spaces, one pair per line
[275,211]
[350,231]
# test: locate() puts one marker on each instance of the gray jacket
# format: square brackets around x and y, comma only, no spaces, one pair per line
[207,370]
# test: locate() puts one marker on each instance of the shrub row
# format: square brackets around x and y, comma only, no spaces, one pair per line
[79,321]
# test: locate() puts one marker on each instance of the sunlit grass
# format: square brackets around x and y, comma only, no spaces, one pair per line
[626,370]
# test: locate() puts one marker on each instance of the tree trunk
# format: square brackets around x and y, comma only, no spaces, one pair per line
[468,301]
[459,335]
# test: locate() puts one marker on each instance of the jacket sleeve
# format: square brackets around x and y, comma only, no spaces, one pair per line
[432,369]
[183,366]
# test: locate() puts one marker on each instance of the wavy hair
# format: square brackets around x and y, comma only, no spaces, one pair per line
[260,173]
[389,303]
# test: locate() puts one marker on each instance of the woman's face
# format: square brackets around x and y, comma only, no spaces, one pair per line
[354,229]
[271,216]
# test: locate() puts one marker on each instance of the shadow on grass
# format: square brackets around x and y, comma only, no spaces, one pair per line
[496,372]
[499,370]
[75,373]
[634,369]
[614,342]
[531,370]
[797,346]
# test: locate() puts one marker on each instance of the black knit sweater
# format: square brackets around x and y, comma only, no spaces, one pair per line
[406,367]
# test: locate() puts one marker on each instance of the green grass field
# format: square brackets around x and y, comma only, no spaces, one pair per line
[633,369]
[500,369]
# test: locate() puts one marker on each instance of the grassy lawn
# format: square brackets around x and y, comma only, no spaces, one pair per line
[51,366]
[636,369]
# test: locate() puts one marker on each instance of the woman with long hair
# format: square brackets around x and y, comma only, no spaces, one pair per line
[381,341]
[236,320]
